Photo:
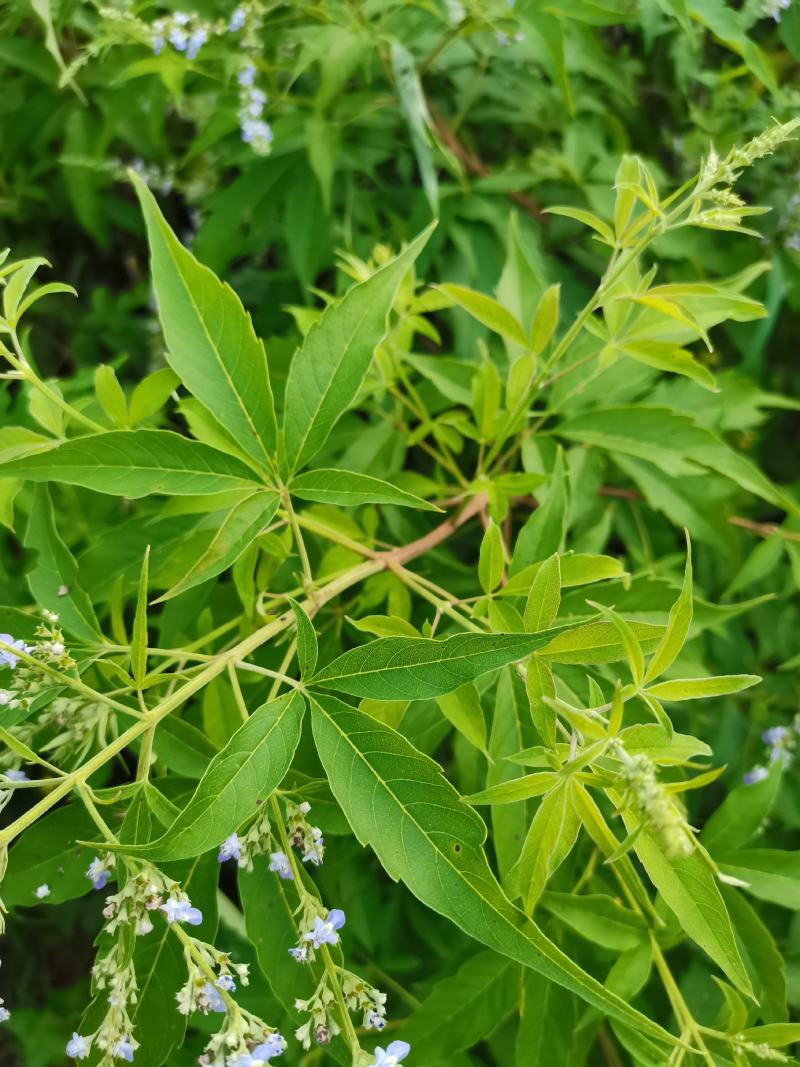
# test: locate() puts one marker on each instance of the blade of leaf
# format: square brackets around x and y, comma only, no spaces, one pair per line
[139,633]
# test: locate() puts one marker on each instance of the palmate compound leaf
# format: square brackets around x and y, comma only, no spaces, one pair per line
[211,343]
[328,370]
[135,463]
[398,802]
[237,780]
[416,668]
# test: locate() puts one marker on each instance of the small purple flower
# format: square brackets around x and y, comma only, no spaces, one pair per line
[97,873]
[774,735]
[256,131]
[230,849]
[16,776]
[237,20]
[181,911]
[757,774]
[375,1021]
[324,932]
[279,863]
[392,1054]
[247,75]
[211,1000]
[123,1050]
[226,982]
[273,1045]
[158,44]
[178,38]
[78,1047]
[196,41]
[300,953]
[7,658]
[5,1014]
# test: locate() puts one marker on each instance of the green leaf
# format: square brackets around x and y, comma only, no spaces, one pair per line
[546,1026]
[139,633]
[211,343]
[599,919]
[588,219]
[545,318]
[597,642]
[53,580]
[530,785]
[680,619]
[769,873]
[397,801]
[327,372]
[689,888]
[487,311]
[48,854]
[415,111]
[235,532]
[151,393]
[252,764]
[540,684]
[110,395]
[351,490]
[701,688]
[463,709]
[492,558]
[414,668]
[742,813]
[306,640]
[135,463]
[463,1008]
[185,749]
[551,838]
[543,533]
[544,597]
[509,823]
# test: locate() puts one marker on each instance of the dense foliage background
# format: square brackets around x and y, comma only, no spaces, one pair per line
[294,147]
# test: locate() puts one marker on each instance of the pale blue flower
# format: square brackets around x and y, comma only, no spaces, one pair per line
[181,911]
[196,41]
[42,891]
[375,1021]
[158,44]
[300,953]
[230,849]
[16,776]
[757,774]
[774,735]
[5,1014]
[123,1050]
[279,863]
[392,1054]
[212,1001]
[274,1045]
[78,1047]
[237,20]
[7,658]
[324,932]
[178,38]
[247,75]
[226,982]
[256,131]
[97,873]
[181,18]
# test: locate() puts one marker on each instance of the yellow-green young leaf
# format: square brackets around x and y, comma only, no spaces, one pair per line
[545,318]
[598,918]
[627,175]
[211,343]
[351,490]
[689,888]
[588,219]
[628,640]
[398,802]
[384,626]
[540,683]
[776,1035]
[250,767]
[306,640]
[617,711]
[544,598]
[139,632]
[415,668]
[504,618]
[577,568]
[463,709]
[492,558]
[151,393]
[598,642]
[531,785]
[329,368]
[486,392]
[509,823]
[680,619]
[551,838]
[21,274]
[415,111]
[666,355]
[487,311]
[235,533]
[700,688]
[136,463]
[110,395]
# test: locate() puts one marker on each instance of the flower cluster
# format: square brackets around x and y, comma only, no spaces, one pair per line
[144,893]
[26,681]
[202,993]
[243,1041]
[258,840]
[645,795]
[255,841]
[307,839]
[361,997]
[781,742]
[254,130]
[184,32]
